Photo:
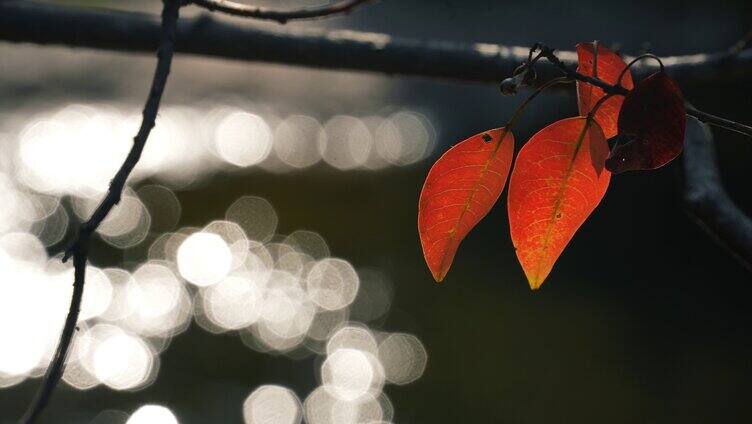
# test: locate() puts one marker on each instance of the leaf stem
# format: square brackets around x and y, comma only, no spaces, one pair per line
[635,60]
[521,108]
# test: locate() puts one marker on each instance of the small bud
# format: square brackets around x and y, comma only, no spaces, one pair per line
[509,85]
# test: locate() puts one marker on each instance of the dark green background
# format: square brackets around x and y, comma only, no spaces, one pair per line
[644,318]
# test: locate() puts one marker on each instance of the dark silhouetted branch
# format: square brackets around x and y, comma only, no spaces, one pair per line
[707,201]
[57,364]
[27,21]
[255,12]
[79,248]
[719,122]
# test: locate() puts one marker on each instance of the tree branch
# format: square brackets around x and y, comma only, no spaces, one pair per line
[79,247]
[706,200]
[548,54]
[57,365]
[27,21]
[255,12]
[134,32]
[718,121]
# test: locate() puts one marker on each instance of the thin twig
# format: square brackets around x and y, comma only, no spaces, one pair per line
[548,54]
[719,122]
[255,12]
[57,365]
[79,247]
[636,61]
[617,89]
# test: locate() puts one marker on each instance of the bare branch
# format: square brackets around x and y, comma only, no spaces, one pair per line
[79,247]
[27,21]
[707,201]
[255,12]
[57,364]
[719,122]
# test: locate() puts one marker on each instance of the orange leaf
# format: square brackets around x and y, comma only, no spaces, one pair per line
[460,189]
[557,181]
[609,67]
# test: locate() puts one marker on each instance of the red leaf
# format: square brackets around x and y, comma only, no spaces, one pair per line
[460,189]
[557,181]
[651,126]
[610,65]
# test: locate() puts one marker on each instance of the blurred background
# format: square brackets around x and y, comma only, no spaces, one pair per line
[264,265]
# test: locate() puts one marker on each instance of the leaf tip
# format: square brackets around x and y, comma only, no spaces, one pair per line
[438,272]
[535,283]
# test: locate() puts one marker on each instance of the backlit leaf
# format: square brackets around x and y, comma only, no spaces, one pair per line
[610,65]
[651,126]
[557,181]
[460,189]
